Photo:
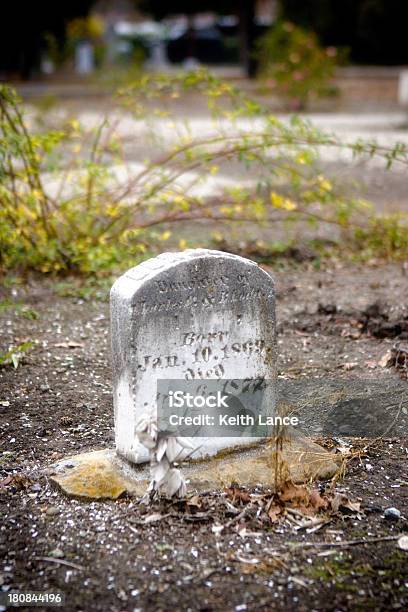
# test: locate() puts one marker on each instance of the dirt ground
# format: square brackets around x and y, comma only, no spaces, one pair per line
[212,554]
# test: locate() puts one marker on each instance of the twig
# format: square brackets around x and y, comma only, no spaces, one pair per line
[345,543]
[239,516]
[60,562]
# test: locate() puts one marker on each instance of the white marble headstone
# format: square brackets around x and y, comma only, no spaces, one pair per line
[403,88]
[189,315]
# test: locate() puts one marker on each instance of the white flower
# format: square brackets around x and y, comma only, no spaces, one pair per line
[165,479]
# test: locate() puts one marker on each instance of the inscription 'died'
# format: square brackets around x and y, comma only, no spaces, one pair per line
[218,349]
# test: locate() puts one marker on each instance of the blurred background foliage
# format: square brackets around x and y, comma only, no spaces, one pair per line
[99,211]
[374,31]
[70,204]
[294,65]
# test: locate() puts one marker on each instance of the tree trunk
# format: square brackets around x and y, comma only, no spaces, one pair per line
[246,14]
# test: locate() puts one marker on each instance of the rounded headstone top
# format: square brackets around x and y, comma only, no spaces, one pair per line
[127,283]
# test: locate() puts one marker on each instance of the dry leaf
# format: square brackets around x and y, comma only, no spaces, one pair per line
[354,335]
[385,359]
[6,481]
[274,513]
[237,494]
[194,501]
[69,344]
[20,481]
[349,365]
[153,518]
[351,506]
[306,510]
[294,493]
[342,503]
[317,501]
[371,365]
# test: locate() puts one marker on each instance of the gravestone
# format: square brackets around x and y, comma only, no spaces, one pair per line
[403,88]
[198,314]
[202,316]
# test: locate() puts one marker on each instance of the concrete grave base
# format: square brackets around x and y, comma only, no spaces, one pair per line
[103,475]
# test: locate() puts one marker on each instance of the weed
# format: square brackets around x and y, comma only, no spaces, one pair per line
[14,355]
[19,309]
[94,220]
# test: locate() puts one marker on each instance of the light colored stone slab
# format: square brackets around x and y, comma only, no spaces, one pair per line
[98,475]
[103,475]
[196,314]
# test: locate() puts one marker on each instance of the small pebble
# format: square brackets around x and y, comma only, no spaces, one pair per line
[403,542]
[392,514]
[52,511]
[57,553]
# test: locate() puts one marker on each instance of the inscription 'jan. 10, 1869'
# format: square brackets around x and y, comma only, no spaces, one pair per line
[198,314]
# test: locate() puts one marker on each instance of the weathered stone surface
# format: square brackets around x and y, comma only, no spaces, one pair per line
[300,460]
[103,475]
[198,314]
[98,475]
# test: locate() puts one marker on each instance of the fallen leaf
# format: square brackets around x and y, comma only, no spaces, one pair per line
[194,501]
[69,344]
[294,493]
[349,365]
[243,532]
[317,501]
[385,359]
[351,506]
[19,481]
[237,494]
[371,365]
[342,503]
[154,518]
[354,335]
[305,510]
[274,513]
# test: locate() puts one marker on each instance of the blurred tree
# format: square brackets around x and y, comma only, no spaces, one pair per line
[25,22]
[374,30]
[244,9]
[24,25]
